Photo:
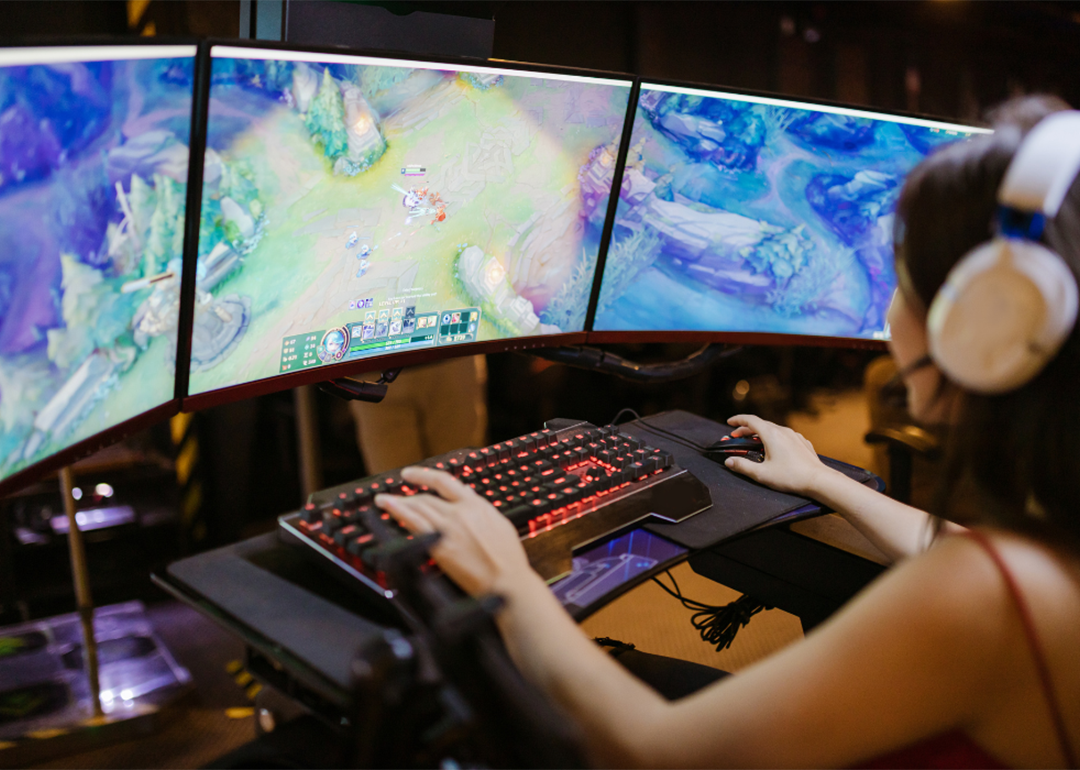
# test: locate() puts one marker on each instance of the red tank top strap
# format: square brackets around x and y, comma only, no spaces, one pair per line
[1028,623]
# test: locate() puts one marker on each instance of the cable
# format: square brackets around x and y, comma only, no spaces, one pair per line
[607,641]
[672,436]
[717,624]
[615,421]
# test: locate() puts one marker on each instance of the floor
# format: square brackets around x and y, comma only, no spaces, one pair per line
[208,722]
[218,716]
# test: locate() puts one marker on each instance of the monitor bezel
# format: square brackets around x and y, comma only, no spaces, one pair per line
[167,409]
[278,382]
[614,336]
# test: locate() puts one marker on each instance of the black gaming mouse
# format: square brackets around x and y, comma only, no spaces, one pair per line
[749,447]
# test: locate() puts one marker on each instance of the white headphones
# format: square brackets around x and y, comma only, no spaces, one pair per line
[1007,307]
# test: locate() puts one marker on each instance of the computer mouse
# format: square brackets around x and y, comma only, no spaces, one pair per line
[749,447]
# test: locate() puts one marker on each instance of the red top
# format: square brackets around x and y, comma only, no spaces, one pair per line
[955,748]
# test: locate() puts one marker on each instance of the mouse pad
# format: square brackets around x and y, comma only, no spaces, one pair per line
[739,504]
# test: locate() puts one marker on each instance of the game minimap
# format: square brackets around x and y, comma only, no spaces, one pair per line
[354,207]
[93,179]
[747,214]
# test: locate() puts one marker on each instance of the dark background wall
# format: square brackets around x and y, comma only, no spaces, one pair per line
[951,58]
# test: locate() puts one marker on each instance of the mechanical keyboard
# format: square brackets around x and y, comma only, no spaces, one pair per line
[564,487]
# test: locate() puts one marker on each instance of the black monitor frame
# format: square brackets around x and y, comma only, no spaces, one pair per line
[275,383]
[171,407]
[726,337]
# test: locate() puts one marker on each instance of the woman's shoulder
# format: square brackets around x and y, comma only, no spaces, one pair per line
[1027,569]
[975,579]
[1041,582]
[954,601]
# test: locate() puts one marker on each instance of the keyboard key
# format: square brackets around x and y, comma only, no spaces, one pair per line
[572,493]
[343,534]
[356,545]
[540,505]
[590,488]
[519,515]
[557,499]
[356,515]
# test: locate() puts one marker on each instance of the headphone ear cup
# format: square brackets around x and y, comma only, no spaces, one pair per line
[1004,311]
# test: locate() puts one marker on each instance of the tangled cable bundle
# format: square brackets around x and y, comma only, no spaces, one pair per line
[717,624]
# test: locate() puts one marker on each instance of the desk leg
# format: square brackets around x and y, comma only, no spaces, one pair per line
[788,571]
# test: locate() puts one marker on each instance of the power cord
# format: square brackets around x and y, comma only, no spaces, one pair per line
[717,624]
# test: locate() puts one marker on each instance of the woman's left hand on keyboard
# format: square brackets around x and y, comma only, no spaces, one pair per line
[479,549]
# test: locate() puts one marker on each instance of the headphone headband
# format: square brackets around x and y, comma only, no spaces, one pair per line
[1044,167]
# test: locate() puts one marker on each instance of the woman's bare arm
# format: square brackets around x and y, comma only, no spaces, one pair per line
[909,648]
[792,465]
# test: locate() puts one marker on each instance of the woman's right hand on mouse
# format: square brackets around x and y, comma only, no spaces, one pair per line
[790,465]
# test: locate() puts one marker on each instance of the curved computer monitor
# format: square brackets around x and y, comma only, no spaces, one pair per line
[94,146]
[363,212]
[746,218]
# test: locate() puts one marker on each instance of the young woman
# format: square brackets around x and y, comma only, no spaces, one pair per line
[966,653]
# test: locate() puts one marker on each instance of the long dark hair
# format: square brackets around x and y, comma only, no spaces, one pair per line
[1020,450]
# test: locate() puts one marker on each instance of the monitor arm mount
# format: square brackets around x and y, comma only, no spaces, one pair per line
[358,390]
[594,359]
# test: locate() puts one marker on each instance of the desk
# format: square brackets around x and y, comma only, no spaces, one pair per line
[302,627]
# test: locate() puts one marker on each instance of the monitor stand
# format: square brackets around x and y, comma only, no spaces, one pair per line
[370,27]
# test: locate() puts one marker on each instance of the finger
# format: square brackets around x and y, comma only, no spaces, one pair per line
[741,465]
[415,513]
[412,520]
[742,431]
[752,421]
[442,482]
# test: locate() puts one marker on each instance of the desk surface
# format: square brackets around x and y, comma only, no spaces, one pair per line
[270,595]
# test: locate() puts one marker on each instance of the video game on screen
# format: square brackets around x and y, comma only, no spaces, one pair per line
[354,207]
[748,214]
[93,184]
